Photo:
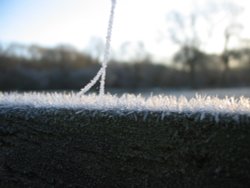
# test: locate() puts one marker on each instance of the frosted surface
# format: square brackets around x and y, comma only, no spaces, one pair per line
[126,102]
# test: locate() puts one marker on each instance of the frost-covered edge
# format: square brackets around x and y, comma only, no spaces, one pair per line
[128,102]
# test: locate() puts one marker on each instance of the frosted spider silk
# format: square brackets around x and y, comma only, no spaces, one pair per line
[102,72]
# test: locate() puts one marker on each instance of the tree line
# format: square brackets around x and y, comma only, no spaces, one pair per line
[65,68]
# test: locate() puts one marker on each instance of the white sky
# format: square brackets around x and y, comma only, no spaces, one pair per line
[75,22]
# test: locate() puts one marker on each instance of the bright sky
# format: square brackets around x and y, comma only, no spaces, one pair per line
[75,22]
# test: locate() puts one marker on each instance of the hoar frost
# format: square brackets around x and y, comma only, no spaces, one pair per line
[129,103]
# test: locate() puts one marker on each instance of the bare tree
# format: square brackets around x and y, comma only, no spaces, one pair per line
[191,32]
[191,57]
[183,32]
[230,31]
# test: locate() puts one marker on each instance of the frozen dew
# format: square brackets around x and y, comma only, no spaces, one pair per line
[102,72]
[131,105]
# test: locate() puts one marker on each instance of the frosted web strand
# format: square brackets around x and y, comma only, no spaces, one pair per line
[102,72]
[107,48]
[91,83]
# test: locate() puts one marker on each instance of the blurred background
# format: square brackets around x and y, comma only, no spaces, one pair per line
[157,45]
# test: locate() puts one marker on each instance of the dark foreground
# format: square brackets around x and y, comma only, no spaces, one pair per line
[60,148]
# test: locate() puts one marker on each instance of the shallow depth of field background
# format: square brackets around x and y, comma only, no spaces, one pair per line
[157,46]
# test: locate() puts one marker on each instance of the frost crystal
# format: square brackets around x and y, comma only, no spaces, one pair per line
[129,104]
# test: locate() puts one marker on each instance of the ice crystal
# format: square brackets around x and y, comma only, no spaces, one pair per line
[130,103]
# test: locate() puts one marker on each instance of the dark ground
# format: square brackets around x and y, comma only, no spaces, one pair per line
[62,149]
